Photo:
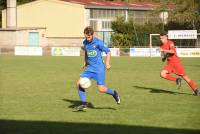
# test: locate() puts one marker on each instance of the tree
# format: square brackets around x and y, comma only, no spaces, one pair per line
[184,15]
[128,34]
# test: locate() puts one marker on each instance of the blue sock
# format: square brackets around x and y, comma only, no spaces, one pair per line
[82,95]
[110,91]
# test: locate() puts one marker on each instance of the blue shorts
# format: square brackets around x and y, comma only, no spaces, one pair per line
[99,77]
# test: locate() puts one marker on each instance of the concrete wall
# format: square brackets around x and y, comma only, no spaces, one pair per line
[63,42]
[9,38]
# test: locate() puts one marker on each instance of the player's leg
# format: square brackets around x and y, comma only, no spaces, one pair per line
[179,70]
[166,74]
[82,96]
[192,85]
[82,92]
[100,79]
[104,89]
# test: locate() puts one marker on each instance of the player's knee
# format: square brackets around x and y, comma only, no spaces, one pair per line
[163,74]
[102,89]
[77,84]
[186,78]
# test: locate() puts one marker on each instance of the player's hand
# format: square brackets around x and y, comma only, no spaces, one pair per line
[108,66]
[161,50]
[164,55]
[84,65]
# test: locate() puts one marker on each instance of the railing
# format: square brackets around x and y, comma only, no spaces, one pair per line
[144,40]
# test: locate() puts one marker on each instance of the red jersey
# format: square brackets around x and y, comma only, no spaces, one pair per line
[169,45]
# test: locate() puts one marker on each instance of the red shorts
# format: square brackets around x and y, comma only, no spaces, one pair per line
[175,67]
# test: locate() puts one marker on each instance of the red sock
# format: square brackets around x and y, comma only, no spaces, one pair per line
[192,85]
[169,77]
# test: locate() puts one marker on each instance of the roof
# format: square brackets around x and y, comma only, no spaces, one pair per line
[114,5]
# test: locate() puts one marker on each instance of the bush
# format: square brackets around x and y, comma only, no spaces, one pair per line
[129,34]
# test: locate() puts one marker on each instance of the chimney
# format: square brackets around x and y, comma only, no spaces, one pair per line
[11,14]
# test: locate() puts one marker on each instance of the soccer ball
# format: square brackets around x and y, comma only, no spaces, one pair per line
[85,82]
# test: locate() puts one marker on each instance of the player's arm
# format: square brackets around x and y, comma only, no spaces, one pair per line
[171,49]
[85,63]
[166,52]
[164,55]
[85,59]
[108,56]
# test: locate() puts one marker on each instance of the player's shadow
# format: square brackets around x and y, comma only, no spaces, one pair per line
[156,90]
[74,103]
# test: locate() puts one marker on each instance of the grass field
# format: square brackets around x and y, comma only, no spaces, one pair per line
[37,96]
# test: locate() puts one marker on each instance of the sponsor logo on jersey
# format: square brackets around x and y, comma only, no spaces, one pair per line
[91,53]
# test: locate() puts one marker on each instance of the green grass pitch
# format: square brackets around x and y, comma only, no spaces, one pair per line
[37,96]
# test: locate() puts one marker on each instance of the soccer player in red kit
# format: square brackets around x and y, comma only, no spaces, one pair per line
[174,65]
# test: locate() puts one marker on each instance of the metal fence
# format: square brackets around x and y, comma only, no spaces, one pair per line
[105,36]
[143,40]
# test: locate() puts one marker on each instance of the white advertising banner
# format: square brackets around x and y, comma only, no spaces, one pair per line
[145,52]
[114,52]
[65,51]
[141,52]
[155,52]
[182,34]
[28,51]
[188,52]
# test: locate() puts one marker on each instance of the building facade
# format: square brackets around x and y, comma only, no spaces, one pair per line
[64,20]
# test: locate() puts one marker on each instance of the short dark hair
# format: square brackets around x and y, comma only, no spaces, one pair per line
[89,30]
[164,33]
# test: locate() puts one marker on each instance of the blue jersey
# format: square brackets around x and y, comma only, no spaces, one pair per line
[94,51]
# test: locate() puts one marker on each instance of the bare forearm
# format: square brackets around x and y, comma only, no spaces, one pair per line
[108,57]
[167,51]
[85,59]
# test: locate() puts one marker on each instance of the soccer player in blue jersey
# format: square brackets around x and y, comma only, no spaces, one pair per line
[95,67]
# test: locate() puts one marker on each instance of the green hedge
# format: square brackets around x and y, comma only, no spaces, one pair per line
[129,34]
